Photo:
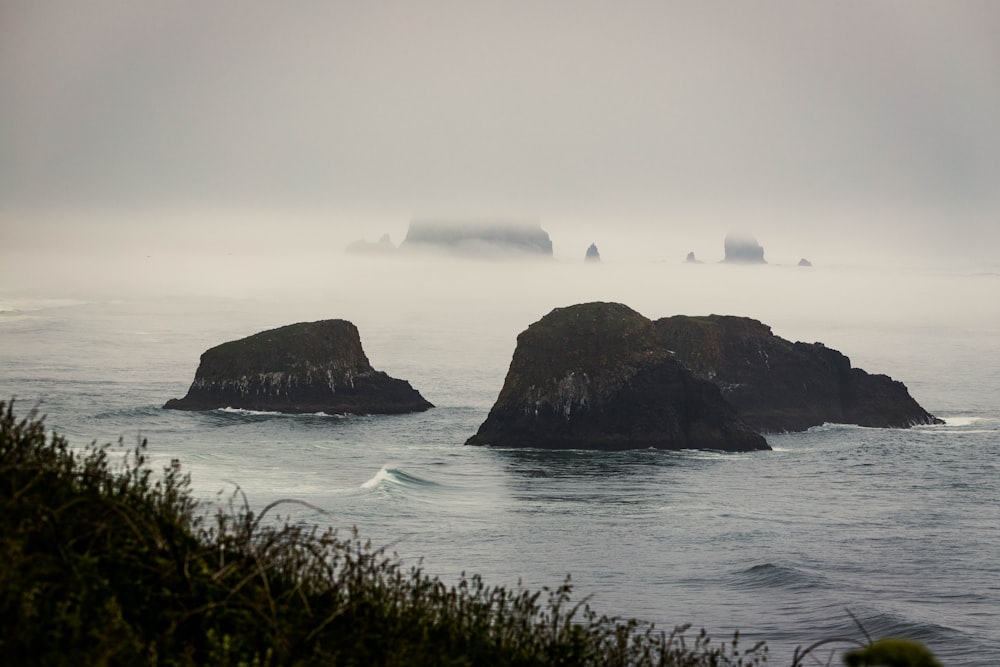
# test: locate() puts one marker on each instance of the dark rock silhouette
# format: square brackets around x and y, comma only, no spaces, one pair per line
[691,259]
[592,254]
[804,262]
[504,238]
[594,376]
[777,385]
[743,249]
[300,368]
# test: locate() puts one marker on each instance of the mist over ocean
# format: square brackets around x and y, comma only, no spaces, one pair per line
[900,528]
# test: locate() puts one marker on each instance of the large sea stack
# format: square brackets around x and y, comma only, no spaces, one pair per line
[779,386]
[300,368]
[595,376]
[742,248]
[500,238]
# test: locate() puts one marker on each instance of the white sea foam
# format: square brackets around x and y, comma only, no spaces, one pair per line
[241,411]
[382,475]
[961,421]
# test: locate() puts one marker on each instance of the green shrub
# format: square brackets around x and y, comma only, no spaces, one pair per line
[105,565]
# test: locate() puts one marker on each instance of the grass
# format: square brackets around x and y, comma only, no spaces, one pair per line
[105,563]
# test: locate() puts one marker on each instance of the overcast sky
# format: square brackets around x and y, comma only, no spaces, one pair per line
[855,120]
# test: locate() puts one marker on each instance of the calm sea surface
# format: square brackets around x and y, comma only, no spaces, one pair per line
[900,528]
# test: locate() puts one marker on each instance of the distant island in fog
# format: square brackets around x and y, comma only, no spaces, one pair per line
[517,239]
[469,238]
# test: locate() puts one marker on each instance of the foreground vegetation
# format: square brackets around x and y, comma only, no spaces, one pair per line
[101,563]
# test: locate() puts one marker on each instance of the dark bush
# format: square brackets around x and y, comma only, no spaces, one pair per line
[103,564]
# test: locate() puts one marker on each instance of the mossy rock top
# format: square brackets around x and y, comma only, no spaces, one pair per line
[706,343]
[598,339]
[323,344]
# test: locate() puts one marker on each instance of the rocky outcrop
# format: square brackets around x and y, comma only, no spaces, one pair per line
[743,249]
[300,368]
[595,376]
[502,238]
[779,386]
[592,254]
[805,262]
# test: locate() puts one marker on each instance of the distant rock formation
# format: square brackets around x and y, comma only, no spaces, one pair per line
[691,259]
[300,368]
[805,262]
[592,254]
[594,376]
[779,386]
[743,249]
[362,247]
[503,238]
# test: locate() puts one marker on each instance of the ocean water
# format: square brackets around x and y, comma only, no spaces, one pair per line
[899,528]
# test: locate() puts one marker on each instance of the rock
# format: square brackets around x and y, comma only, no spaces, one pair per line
[503,238]
[362,247]
[743,249]
[592,254]
[594,376]
[779,386]
[691,259]
[804,262]
[300,368]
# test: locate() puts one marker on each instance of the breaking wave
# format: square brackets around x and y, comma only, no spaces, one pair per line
[395,477]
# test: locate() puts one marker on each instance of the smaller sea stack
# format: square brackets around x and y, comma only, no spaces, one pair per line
[300,368]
